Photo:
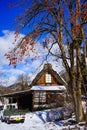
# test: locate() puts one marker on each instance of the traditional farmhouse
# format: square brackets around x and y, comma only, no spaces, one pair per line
[46,91]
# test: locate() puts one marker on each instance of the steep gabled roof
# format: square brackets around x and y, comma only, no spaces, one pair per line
[48,68]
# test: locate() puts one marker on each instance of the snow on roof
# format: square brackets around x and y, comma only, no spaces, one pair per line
[49,88]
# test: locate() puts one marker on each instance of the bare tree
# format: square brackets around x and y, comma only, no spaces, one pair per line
[23,80]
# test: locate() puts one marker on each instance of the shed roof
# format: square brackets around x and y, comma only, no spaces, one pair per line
[25,92]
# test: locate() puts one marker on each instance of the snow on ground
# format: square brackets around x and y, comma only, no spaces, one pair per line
[39,120]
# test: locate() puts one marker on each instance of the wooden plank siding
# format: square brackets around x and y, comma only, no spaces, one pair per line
[43,100]
[42,80]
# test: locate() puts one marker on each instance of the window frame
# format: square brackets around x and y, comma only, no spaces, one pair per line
[48,78]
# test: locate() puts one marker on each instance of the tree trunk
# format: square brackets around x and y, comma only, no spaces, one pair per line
[77,90]
[75,80]
[78,105]
[76,93]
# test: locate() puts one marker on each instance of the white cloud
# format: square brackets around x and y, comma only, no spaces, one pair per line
[16,71]
[11,80]
[5,44]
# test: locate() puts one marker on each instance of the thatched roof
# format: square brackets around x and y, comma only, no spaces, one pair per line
[48,68]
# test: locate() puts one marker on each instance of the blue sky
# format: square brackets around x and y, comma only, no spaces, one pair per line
[8,74]
[7,15]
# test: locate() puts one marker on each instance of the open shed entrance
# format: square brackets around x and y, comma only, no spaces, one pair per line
[24,101]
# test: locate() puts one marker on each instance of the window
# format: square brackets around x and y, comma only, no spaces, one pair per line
[48,78]
[39,97]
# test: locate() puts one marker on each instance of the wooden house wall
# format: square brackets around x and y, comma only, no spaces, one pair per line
[42,100]
[42,80]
